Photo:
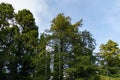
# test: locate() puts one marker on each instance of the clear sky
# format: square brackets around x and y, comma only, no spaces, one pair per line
[100,17]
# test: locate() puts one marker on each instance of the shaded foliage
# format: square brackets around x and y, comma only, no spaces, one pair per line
[64,52]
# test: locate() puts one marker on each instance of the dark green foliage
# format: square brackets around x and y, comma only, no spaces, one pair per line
[17,49]
[6,13]
[62,53]
[71,50]
[81,64]
[42,61]
[26,20]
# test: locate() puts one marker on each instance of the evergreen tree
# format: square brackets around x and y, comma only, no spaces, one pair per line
[6,37]
[62,53]
[18,42]
[81,62]
[110,62]
[28,40]
[6,15]
[59,28]
[42,60]
[69,48]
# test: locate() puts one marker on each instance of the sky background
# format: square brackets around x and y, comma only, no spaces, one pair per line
[100,17]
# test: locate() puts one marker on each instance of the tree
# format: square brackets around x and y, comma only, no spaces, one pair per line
[6,15]
[18,42]
[109,54]
[28,40]
[62,53]
[6,20]
[59,28]
[26,20]
[42,60]
[82,64]
[69,48]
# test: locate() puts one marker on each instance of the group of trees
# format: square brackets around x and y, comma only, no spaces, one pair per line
[63,52]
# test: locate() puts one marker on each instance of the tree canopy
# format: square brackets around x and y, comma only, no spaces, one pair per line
[63,52]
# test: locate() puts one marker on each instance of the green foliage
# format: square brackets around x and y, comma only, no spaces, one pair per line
[6,13]
[16,49]
[42,61]
[26,20]
[109,54]
[72,49]
[108,78]
[62,53]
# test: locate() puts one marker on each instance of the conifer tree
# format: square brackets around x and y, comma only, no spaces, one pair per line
[18,40]
[70,47]
[42,60]
[110,61]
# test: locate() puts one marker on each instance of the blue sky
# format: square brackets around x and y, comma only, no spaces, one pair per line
[100,17]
